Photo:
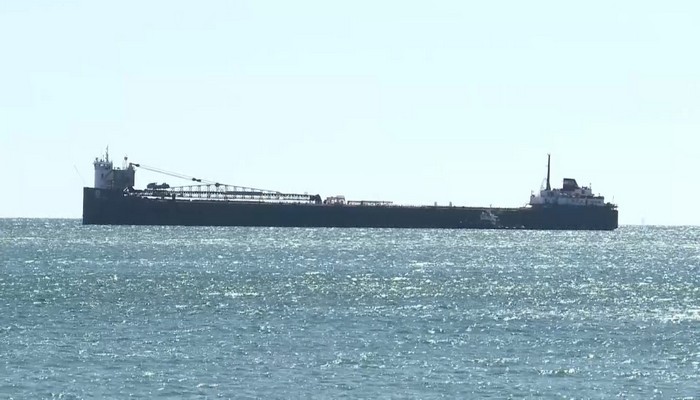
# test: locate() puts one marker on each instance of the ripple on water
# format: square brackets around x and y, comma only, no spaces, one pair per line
[184,312]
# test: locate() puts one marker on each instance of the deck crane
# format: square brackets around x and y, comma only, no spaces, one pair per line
[220,191]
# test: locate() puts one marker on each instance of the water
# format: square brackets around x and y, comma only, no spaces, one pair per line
[90,312]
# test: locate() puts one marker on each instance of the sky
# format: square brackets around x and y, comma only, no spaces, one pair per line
[414,102]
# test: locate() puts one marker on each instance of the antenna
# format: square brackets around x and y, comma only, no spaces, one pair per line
[548,164]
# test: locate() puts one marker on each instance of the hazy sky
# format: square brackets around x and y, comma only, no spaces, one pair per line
[414,102]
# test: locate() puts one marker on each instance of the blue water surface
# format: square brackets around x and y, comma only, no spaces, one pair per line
[148,312]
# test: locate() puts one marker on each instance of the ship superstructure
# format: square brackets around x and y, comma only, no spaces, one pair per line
[111,178]
[570,194]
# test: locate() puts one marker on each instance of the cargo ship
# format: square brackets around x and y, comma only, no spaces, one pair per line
[114,201]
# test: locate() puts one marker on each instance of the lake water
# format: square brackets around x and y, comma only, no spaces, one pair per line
[91,311]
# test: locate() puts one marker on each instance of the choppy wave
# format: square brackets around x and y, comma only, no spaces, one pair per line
[327,313]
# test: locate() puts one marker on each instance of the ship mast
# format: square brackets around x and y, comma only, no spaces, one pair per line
[548,163]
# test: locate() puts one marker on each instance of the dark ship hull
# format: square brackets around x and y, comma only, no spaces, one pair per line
[113,207]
